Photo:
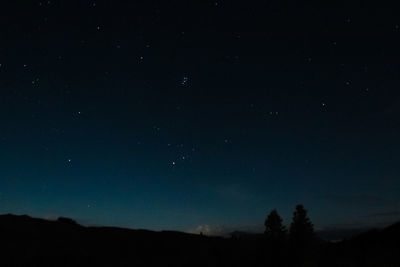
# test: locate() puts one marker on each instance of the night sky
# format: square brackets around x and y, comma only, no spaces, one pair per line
[200,115]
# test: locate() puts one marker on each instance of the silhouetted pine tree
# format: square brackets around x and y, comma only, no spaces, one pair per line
[275,245]
[274,228]
[301,230]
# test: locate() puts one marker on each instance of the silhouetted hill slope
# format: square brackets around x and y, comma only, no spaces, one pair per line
[371,248]
[26,241]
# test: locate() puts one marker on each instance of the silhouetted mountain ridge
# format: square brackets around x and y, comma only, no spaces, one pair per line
[30,241]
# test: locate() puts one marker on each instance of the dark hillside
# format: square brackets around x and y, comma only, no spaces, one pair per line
[26,241]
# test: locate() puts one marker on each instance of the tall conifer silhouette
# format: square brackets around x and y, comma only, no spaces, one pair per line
[301,230]
[274,227]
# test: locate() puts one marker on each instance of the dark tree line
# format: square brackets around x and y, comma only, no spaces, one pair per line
[292,247]
[301,229]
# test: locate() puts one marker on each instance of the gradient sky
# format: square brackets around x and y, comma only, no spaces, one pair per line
[187,114]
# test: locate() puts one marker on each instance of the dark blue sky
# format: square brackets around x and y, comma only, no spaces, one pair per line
[176,115]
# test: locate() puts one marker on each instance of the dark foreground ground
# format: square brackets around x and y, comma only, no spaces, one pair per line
[34,242]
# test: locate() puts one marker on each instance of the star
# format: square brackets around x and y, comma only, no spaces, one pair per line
[35,81]
[185,80]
